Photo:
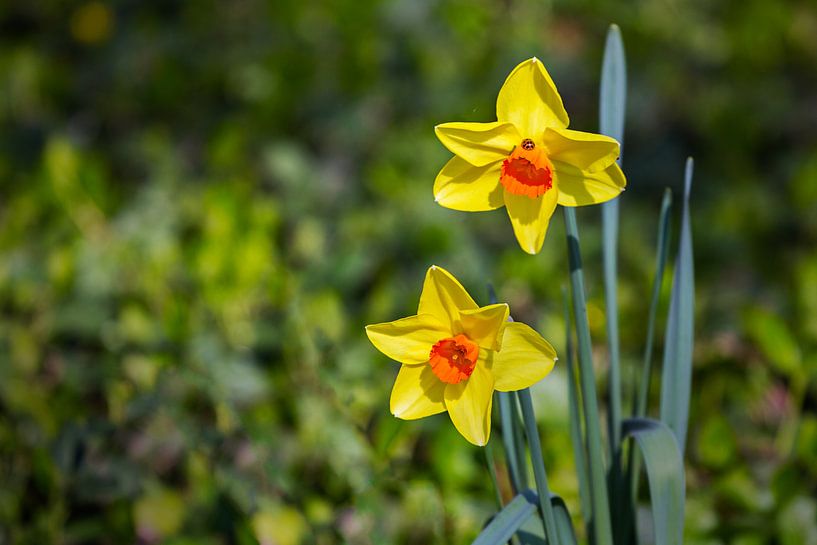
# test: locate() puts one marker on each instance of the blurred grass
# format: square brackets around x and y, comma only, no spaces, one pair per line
[200,207]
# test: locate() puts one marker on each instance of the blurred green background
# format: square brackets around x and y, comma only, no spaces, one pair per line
[201,205]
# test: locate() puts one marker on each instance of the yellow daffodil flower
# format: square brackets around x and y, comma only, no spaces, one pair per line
[528,160]
[456,353]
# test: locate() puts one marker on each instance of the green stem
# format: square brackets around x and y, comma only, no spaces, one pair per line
[602,530]
[539,473]
[512,455]
[579,451]
[511,439]
[489,462]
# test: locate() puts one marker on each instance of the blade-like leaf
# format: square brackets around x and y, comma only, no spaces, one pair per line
[508,520]
[643,389]
[531,534]
[600,517]
[676,375]
[665,473]
[574,412]
[612,104]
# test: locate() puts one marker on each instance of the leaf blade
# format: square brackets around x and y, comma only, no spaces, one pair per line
[612,104]
[575,416]
[602,533]
[665,472]
[676,375]
[531,534]
[508,520]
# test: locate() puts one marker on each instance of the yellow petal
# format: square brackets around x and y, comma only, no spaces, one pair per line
[525,358]
[579,188]
[417,392]
[462,186]
[584,150]
[530,101]
[484,325]
[408,340]
[469,405]
[444,297]
[530,217]
[478,143]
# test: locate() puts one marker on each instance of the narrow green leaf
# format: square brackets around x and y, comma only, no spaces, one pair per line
[612,104]
[574,412]
[665,473]
[613,100]
[531,534]
[564,525]
[600,516]
[508,520]
[643,389]
[539,473]
[676,375]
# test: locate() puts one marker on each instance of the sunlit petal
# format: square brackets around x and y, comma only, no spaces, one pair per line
[417,392]
[469,404]
[462,186]
[525,358]
[579,188]
[408,340]
[478,143]
[484,325]
[530,101]
[530,217]
[444,297]
[584,150]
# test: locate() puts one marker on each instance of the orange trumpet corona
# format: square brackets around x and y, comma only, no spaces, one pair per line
[453,359]
[527,171]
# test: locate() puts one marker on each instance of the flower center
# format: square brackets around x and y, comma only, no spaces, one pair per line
[453,359]
[527,171]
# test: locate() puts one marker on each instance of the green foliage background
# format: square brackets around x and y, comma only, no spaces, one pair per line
[201,205]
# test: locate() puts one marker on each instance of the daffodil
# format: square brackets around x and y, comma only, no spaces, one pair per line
[527,160]
[456,353]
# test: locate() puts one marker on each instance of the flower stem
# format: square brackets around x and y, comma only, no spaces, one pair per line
[511,440]
[576,437]
[602,529]
[515,458]
[539,473]
[489,461]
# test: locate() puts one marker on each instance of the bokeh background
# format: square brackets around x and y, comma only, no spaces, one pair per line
[202,203]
